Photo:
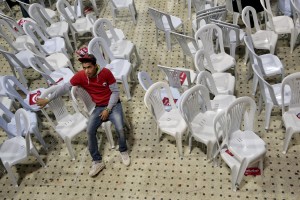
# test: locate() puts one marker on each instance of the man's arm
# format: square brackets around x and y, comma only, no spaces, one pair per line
[114,97]
[57,93]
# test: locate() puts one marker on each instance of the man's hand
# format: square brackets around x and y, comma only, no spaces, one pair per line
[104,115]
[42,102]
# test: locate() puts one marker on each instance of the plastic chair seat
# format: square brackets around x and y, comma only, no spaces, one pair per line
[20,40]
[246,144]
[176,21]
[282,24]
[202,127]
[172,123]
[118,32]
[119,68]
[10,154]
[222,61]
[225,82]
[52,14]
[71,125]
[263,39]
[62,75]
[56,44]
[58,28]
[221,102]
[122,48]
[277,93]
[82,25]
[33,121]
[23,56]
[291,120]
[123,3]
[271,63]
[58,60]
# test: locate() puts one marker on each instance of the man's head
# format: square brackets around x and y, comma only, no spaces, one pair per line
[89,65]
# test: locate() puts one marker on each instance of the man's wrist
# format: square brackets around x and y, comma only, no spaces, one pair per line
[108,109]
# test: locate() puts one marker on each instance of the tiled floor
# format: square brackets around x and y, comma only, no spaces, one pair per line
[156,171]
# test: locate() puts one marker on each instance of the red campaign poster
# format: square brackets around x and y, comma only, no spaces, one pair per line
[166,101]
[252,171]
[82,51]
[33,97]
[87,10]
[182,77]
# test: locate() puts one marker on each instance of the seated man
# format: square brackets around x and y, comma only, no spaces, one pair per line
[103,89]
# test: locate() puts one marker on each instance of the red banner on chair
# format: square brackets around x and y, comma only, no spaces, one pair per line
[33,97]
[227,151]
[182,77]
[88,10]
[82,51]
[59,80]
[254,171]
[20,22]
[166,101]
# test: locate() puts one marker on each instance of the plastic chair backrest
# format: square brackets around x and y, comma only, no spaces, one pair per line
[99,30]
[144,80]
[23,127]
[62,7]
[205,78]
[221,130]
[153,99]
[207,34]
[78,93]
[292,82]
[199,61]
[205,16]
[265,88]
[98,46]
[183,41]
[11,58]
[158,16]
[57,105]
[296,11]
[248,13]
[38,13]
[268,12]
[10,29]
[174,74]
[194,101]
[241,112]
[254,58]
[227,30]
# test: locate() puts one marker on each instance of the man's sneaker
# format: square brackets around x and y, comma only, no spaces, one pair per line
[125,158]
[97,166]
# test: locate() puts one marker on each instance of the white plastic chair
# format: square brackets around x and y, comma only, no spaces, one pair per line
[229,8]
[54,61]
[166,23]
[8,124]
[145,81]
[14,33]
[61,28]
[219,101]
[51,76]
[296,19]
[9,86]
[270,95]
[170,122]
[199,5]
[225,82]
[262,39]
[17,62]
[78,95]
[198,114]
[78,25]
[120,48]
[269,64]
[232,35]
[180,78]
[290,114]
[117,5]
[67,125]
[240,148]
[104,24]
[17,149]
[204,17]
[217,61]
[188,45]
[279,24]
[52,14]
[43,41]
[120,68]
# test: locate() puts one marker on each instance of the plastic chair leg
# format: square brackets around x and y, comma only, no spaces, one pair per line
[126,87]
[179,145]
[107,128]
[38,157]
[38,134]
[10,174]
[168,40]
[288,136]
[69,146]
[133,13]
[68,42]
[268,111]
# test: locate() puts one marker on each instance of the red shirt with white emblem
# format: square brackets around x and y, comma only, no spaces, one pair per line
[97,87]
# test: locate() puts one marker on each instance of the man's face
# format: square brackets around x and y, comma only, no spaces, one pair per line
[90,69]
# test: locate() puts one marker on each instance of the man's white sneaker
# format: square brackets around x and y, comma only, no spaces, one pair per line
[125,158]
[97,166]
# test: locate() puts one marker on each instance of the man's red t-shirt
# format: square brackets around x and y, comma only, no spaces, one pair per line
[97,87]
